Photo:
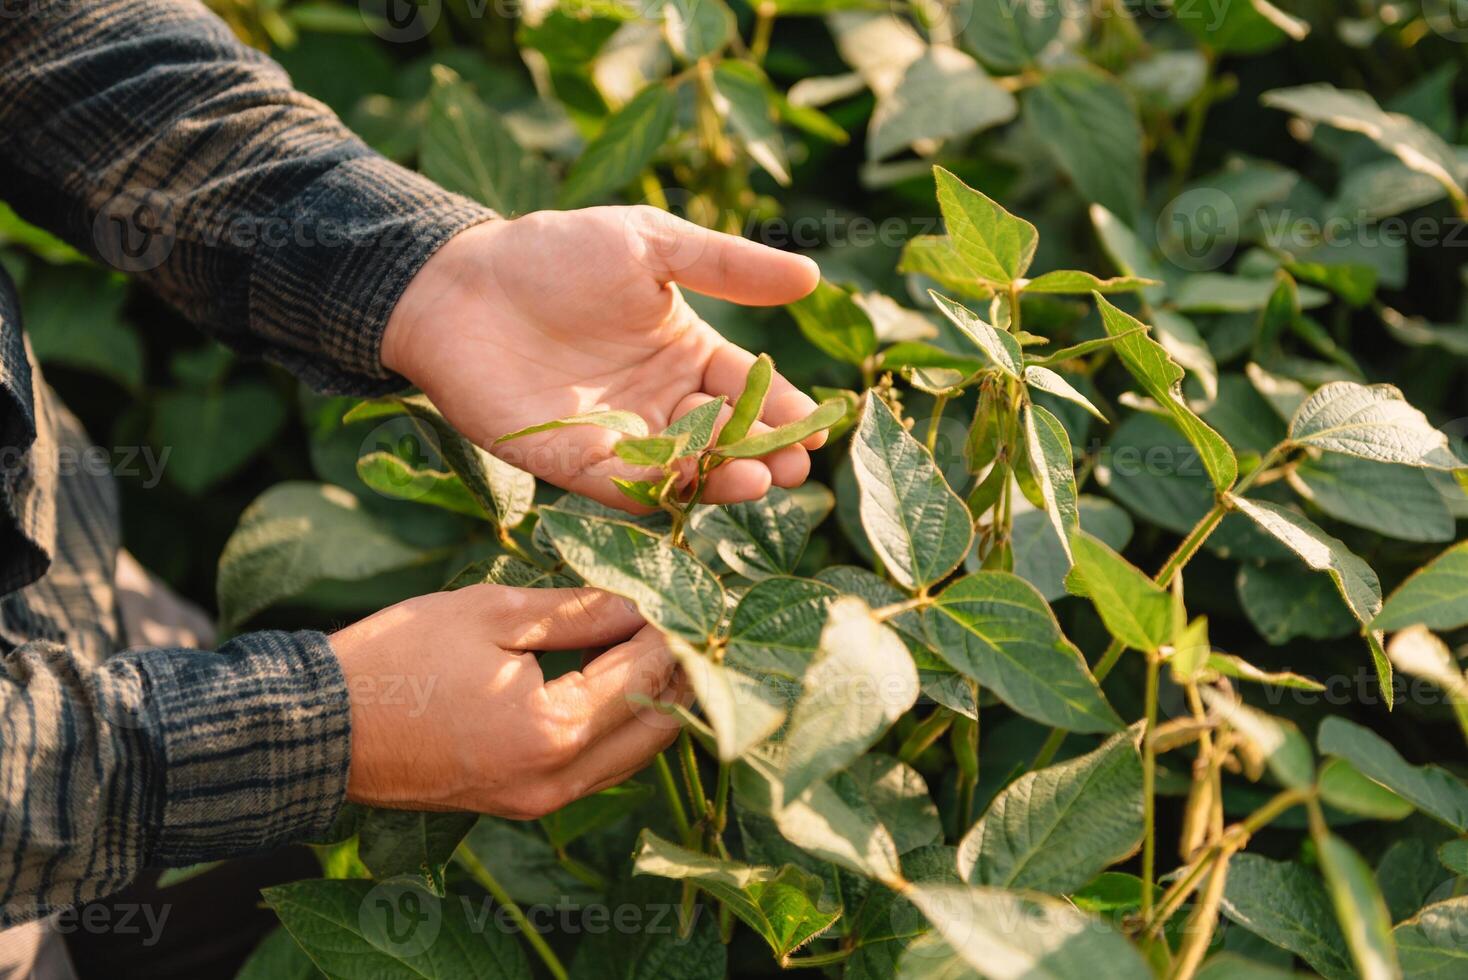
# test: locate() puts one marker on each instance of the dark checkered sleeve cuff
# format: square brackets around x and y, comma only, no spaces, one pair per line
[254,740]
[325,296]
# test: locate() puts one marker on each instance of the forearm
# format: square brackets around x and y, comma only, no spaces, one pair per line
[162,758]
[146,135]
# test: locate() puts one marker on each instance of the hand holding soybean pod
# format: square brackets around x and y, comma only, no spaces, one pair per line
[808,805]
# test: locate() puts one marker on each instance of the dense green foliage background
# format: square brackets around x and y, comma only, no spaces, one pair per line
[1155,113]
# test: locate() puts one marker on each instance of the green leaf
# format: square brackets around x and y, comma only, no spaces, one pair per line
[1002,934]
[1357,583]
[1398,501]
[936,257]
[1078,350]
[782,905]
[1236,667]
[698,424]
[1343,786]
[595,812]
[1282,604]
[1433,944]
[295,535]
[751,401]
[393,476]
[1371,422]
[1010,36]
[995,628]
[993,244]
[569,37]
[671,588]
[1050,460]
[1430,788]
[1089,124]
[658,451]
[212,434]
[916,354]
[616,419]
[394,843]
[917,524]
[998,346]
[73,318]
[744,96]
[627,144]
[827,414]
[504,570]
[355,929]
[736,705]
[939,681]
[943,95]
[1038,556]
[832,320]
[1251,27]
[1219,293]
[756,538]
[1127,252]
[278,958]
[503,491]
[821,821]
[861,682]
[901,800]
[524,863]
[1136,610]
[1454,856]
[1073,283]
[1286,904]
[776,628]
[466,147]
[652,948]
[1278,742]
[1360,909]
[1435,596]
[1055,829]
[1161,378]
[1411,142]
[697,28]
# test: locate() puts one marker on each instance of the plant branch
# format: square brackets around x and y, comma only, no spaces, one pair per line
[489,883]
[670,793]
[1149,785]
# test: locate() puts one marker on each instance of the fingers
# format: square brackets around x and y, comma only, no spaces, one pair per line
[724,266]
[612,689]
[553,619]
[628,750]
[725,374]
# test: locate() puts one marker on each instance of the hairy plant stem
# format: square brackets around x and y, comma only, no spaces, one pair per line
[1234,839]
[692,780]
[489,883]
[1198,932]
[764,27]
[1149,784]
[670,793]
[940,402]
[817,959]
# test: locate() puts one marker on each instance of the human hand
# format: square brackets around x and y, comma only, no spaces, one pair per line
[517,322]
[471,723]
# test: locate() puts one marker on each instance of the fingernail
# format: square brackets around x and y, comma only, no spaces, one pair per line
[631,607]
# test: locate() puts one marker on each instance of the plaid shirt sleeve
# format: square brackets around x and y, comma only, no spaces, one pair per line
[161,758]
[146,135]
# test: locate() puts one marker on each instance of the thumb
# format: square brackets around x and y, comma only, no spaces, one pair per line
[723,266]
